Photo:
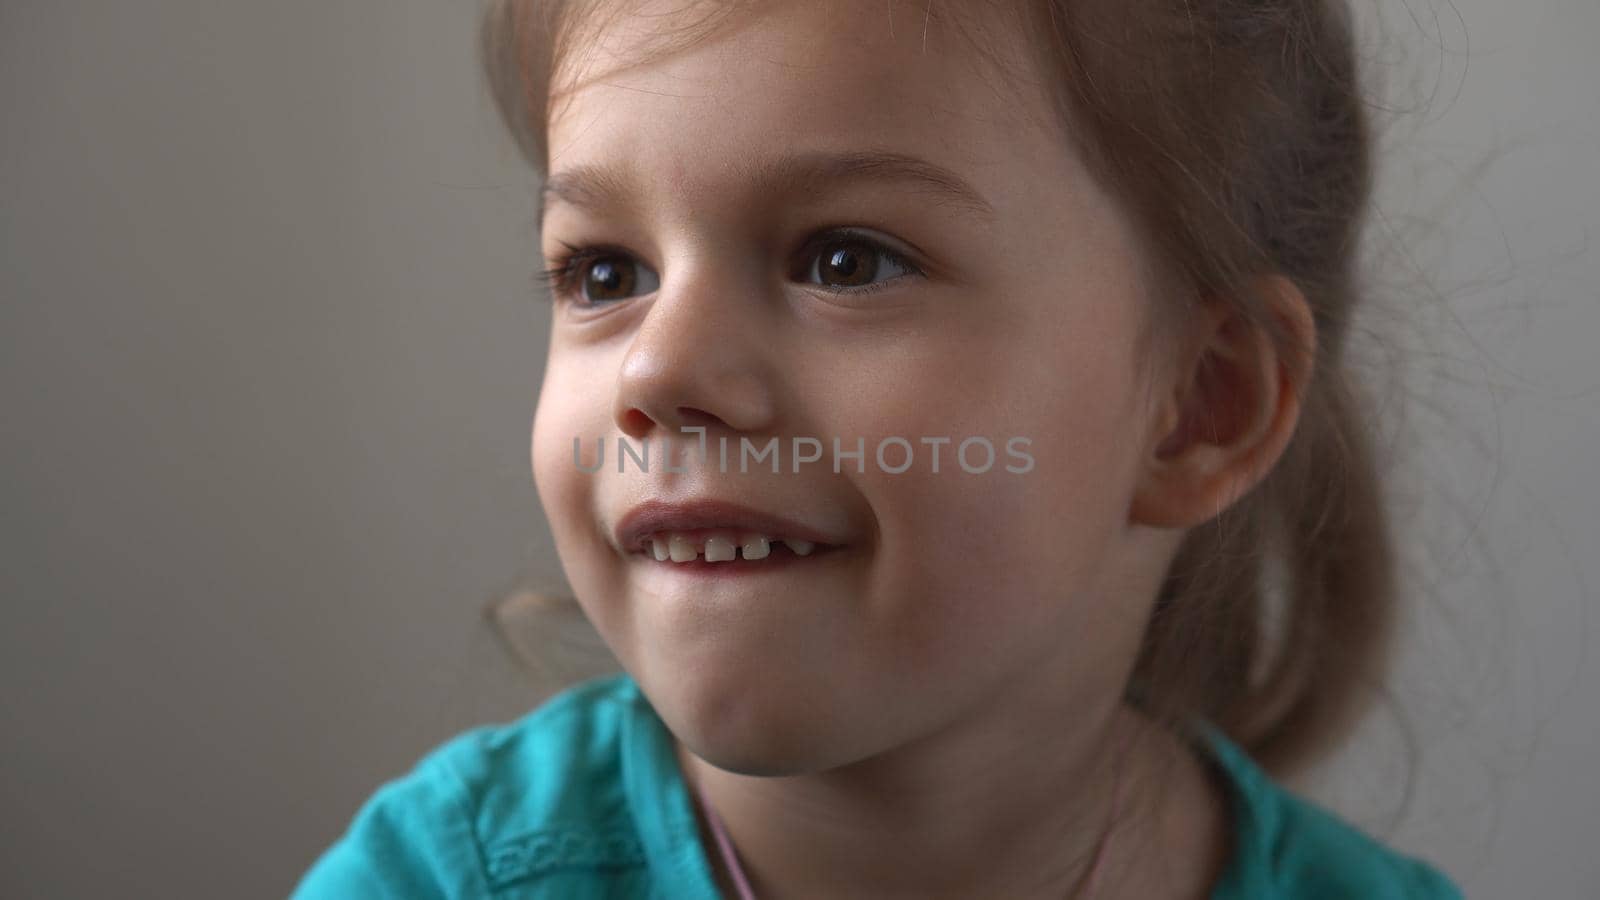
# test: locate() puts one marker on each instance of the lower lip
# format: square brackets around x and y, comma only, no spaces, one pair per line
[776,561]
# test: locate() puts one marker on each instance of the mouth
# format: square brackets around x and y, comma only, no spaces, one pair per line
[708,549]
[711,536]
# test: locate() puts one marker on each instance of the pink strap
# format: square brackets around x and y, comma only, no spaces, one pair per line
[742,883]
[729,858]
[1105,839]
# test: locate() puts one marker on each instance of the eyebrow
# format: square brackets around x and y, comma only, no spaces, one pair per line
[791,174]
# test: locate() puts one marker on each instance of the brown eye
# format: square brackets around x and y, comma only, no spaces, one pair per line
[848,265]
[590,276]
[856,264]
[609,278]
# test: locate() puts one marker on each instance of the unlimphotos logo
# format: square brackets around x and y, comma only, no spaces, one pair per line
[893,455]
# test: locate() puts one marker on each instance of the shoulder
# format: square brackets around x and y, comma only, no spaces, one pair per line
[1321,855]
[1289,847]
[535,802]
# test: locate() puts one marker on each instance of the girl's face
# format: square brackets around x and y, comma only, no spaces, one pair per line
[835,224]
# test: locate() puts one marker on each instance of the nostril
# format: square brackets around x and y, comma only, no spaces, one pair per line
[636,422]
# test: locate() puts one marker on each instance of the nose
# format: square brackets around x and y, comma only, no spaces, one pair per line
[700,358]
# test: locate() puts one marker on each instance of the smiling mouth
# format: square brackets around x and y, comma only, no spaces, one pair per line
[724,549]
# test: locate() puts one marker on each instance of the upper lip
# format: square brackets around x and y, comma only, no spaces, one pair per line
[655,516]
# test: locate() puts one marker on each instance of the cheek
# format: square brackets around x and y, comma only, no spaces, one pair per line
[548,440]
[565,412]
[569,496]
[1003,557]
[1002,538]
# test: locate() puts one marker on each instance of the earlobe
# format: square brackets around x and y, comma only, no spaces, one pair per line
[1230,411]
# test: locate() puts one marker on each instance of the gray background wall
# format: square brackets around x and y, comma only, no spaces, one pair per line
[270,349]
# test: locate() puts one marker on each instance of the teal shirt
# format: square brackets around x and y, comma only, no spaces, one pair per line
[582,799]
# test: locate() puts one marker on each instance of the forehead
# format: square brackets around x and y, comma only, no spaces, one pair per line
[794,78]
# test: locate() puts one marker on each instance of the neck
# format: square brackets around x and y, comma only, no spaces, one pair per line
[1001,806]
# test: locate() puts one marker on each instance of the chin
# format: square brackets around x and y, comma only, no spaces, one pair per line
[744,761]
[768,739]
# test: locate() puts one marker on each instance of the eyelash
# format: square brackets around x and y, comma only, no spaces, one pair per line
[559,280]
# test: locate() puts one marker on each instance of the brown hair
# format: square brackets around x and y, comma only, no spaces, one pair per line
[1234,132]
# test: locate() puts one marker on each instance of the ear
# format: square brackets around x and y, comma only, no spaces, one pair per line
[1226,411]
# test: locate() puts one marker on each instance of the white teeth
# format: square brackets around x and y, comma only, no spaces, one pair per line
[756,546]
[682,549]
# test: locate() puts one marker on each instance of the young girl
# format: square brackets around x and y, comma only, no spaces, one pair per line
[947,429]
